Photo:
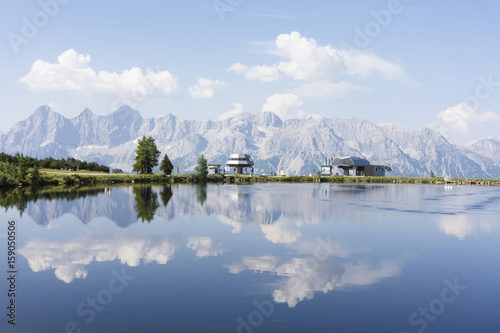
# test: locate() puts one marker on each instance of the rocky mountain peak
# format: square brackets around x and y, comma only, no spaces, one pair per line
[266,118]
[124,113]
[296,146]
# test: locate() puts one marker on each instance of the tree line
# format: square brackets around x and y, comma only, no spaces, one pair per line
[16,169]
[20,169]
[147,157]
[52,163]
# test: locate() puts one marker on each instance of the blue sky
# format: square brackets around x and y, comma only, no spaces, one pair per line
[418,63]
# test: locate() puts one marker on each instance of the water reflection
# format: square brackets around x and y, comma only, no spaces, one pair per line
[86,204]
[213,251]
[204,247]
[20,197]
[279,212]
[281,215]
[201,193]
[70,258]
[281,232]
[322,271]
[166,194]
[146,202]
[461,227]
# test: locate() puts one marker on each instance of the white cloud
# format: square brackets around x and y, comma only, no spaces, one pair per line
[260,73]
[203,246]
[366,64]
[461,227]
[53,105]
[488,116]
[206,88]
[258,264]
[237,226]
[306,276]
[72,72]
[363,274]
[460,117]
[69,259]
[304,279]
[238,109]
[457,117]
[306,60]
[285,105]
[280,232]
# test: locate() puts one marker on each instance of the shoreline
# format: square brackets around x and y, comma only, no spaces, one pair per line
[83,179]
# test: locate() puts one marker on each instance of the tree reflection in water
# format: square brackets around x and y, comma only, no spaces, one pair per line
[146,202]
[19,197]
[166,194]
[201,193]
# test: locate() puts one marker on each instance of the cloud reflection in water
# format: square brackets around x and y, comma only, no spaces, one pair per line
[303,277]
[69,259]
[204,246]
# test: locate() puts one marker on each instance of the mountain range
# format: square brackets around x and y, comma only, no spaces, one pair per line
[296,146]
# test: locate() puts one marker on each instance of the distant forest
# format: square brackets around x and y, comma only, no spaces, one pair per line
[51,163]
[20,169]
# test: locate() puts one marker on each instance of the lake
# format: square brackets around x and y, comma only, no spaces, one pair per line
[252,258]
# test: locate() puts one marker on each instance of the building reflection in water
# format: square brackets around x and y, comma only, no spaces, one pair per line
[284,214]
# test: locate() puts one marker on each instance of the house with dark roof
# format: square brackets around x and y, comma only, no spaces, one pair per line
[358,166]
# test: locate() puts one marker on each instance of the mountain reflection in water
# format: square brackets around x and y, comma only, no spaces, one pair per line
[323,249]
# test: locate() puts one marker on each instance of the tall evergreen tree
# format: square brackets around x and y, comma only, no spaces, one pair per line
[202,168]
[34,177]
[22,168]
[166,166]
[146,155]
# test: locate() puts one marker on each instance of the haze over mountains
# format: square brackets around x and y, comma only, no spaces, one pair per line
[297,146]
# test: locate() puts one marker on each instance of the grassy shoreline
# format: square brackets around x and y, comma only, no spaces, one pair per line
[50,177]
[85,179]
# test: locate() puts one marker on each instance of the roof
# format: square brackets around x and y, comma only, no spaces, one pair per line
[350,161]
[240,160]
[238,156]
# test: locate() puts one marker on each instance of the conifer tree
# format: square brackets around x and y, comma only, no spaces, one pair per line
[166,166]
[202,168]
[146,155]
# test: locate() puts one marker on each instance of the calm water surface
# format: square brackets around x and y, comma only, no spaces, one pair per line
[254,258]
